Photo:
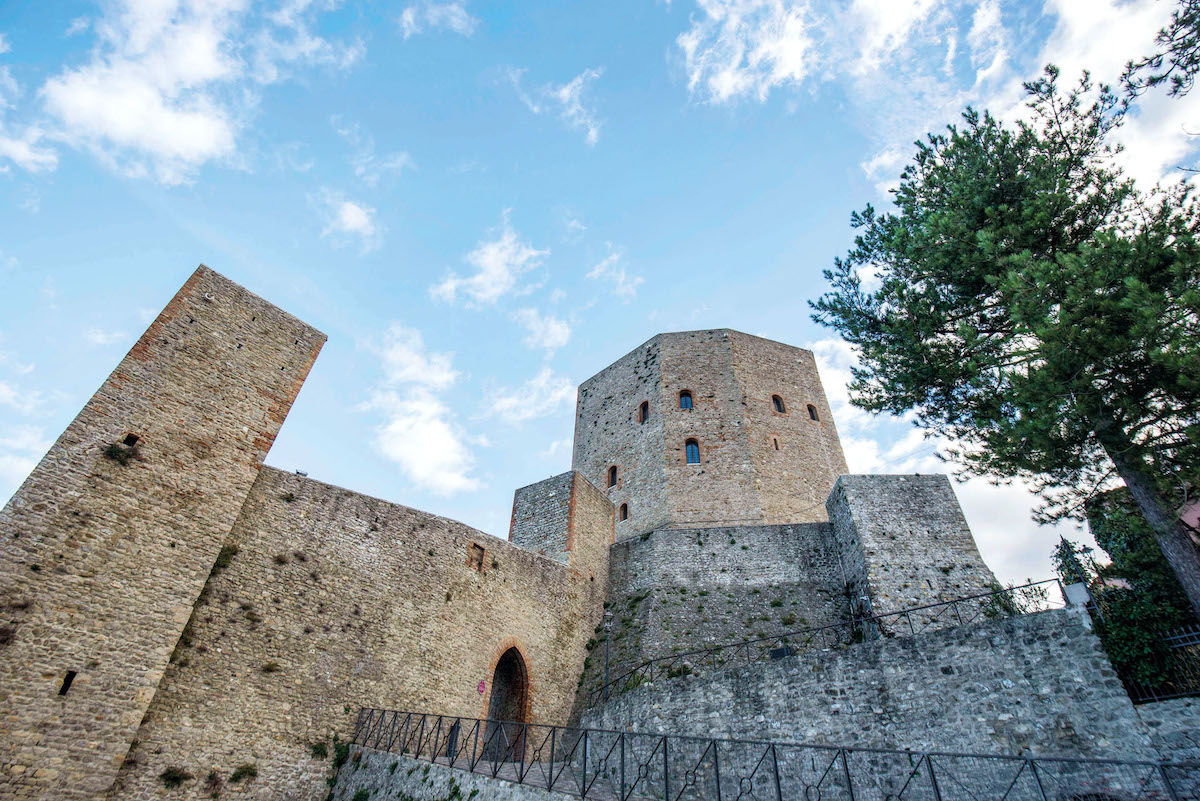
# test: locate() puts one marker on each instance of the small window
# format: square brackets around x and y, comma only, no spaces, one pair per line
[777,402]
[623,512]
[67,680]
[776,441]
[612,476]
[692,447]
[644,412]
[685,401]
[130,440]
[475,554]
[812,412]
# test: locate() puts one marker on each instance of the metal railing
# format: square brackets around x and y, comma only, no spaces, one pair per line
[1033,597]
[1180,668]
[626,766]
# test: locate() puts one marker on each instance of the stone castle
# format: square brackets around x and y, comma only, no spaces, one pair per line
[172,607]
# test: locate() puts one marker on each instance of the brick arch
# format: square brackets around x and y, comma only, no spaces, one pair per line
[505,645]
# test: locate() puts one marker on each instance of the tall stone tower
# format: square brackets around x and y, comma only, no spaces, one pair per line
[708,428]
[107,544]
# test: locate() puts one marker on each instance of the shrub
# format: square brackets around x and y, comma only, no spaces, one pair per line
[121,454]
[172,777]
[271,667]
[392,767]
[244,773]
[225,557]
[320,750]
[341,753]
[362,794]
[280,559]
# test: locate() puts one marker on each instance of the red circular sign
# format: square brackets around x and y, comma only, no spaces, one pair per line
[482,686]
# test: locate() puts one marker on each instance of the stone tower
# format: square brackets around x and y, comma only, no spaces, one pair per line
[106,546]
[709,428]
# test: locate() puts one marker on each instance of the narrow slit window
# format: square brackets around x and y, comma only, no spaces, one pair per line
[623,512]
[644,412]
[776,441]
[612,476]
[812,412]
[67,681]
[692,448]
[777,402]
[130,440]
[475,554]
[685,401]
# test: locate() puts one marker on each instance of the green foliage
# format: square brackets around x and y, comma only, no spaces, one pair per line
[225,557]
[121,454]
[243,773]
[392,767]
[172,777]
[1029,304]
[1177,63]
[212,784]
[271,667]
[362,794]
[320,751]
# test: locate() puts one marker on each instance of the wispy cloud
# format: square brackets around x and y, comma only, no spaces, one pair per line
[566,101]
[346,221]
[168,86]
[611,271]
[368,166]
[544,394]
[418,430]
[544,330]
[427,15]
[498,263]
[101,337]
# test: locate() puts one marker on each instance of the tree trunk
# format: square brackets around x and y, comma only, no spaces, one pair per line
[1181,553]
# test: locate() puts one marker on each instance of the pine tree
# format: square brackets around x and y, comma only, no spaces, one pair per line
[1038,310]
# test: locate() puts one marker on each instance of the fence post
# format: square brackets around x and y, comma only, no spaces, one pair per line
[584,786]
[621,792]
[666,772]
[553,743]
[1037,778]
[523,741]
[1167,781]
[937,794]
[846,773]
[358,724]
[717,769]
[775,765]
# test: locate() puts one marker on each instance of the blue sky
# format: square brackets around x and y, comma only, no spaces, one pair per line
[482,204]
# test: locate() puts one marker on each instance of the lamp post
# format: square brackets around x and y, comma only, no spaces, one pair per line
[607,631]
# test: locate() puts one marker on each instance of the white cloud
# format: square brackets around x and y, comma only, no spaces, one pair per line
[418,431]
[746,48]
[556,447]
[22,402]
[368,166]
[542,395]
[4,46]
[405,360]
[545,331]
[346,220]
[98,336]
[498,262]
[565,100]
[452,16]
[25,149]
[609,269]
[168,84]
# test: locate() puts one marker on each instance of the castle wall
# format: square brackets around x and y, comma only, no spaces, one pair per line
[1037,684]
[100,562]
[545,517]
[677,590]
[905,542]
[335,601]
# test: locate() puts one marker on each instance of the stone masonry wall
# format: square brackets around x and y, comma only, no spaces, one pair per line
[905,542]
[757,466]
[677,590]
[541,517]
[795,459]
[1037,684]
[385,775]
[1174,727]
[101,561]
[334,601]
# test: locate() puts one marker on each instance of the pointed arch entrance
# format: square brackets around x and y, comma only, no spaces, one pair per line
[508,707]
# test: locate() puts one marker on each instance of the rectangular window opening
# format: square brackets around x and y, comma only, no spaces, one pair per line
[67,680]
[130,440]
[475,554]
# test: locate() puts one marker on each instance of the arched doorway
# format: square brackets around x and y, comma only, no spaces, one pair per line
[508,707]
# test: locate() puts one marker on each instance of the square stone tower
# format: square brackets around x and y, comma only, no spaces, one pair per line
[708,428]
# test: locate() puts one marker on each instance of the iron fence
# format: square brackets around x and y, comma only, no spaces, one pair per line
[1033,597]
[1179,666]
[624,766]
